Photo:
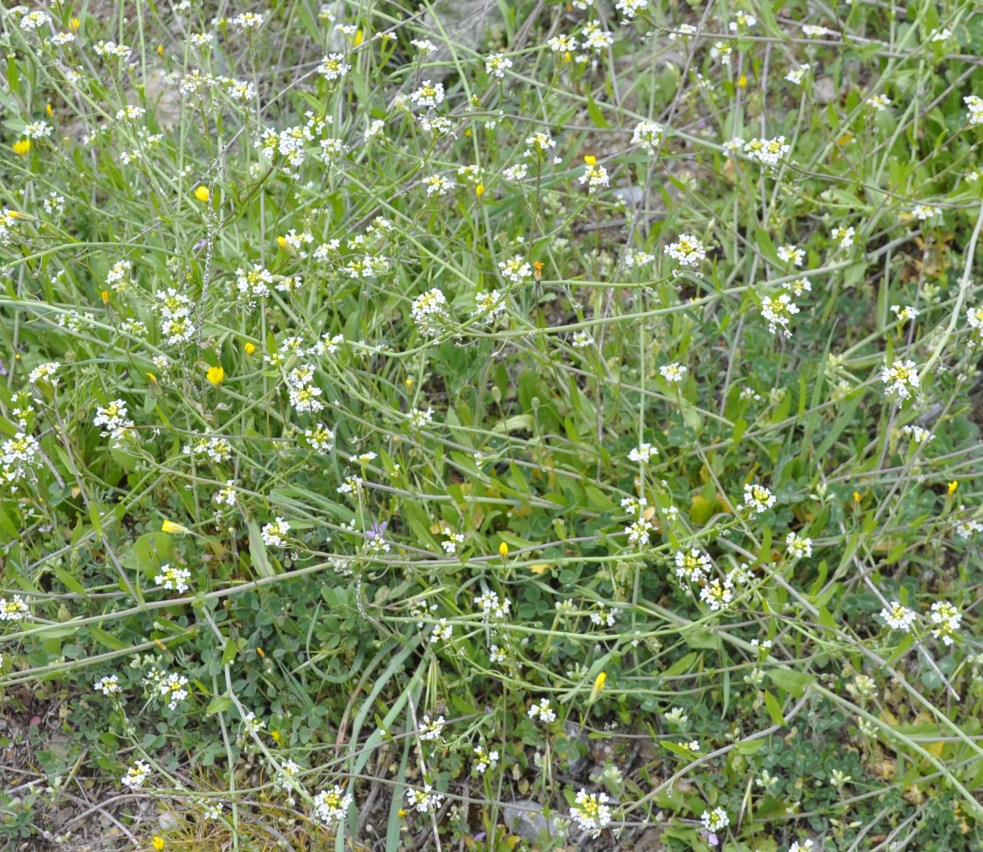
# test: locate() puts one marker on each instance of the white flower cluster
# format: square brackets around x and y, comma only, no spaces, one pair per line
[275,533]
[173,579]
[424,801]
[591,812]
[304,394]
[18,458]
[14,609]
[542,711]
[174,310]
[687,250]
[901,379]
[757,498]
[208,447]
[429,312]
[778,311]
[113,420]
[136,775]
[330,806]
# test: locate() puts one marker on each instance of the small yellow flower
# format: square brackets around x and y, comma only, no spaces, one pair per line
[158,843]
[74,24]
[216,375]
[171,527]
[152,377]
[856,496]
[50,111]
[479,190]
[537,270]
[401,813]
[503,550]
[277,736]
[953,486]
[260,651]
[23,147]
[742,80]
[249,348]
[104,295]
[201,193]
[160,50]
[359,35]
[599,681]
[409,383]
[282,242]
[590,160]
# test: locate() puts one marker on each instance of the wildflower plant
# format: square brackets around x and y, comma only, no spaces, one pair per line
[402,419]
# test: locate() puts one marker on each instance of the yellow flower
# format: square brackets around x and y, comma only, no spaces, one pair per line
[598,686]
[74,24]
[590,160]
[953,486]
[479,190]
[216,375]
[856,496]
[537,270]
[742,81]
[23,147]
[104,295]
[249,348]
[160,50]
[171,527]
[277,736]
[358,38]
[201,193]
[503,550]
[152,377]
[50,111]
[282,242]
[158,843]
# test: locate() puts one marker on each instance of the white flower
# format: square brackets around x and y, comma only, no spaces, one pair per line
[515,270]
[648,135]
[898,617]
[904,313]
[428,95]
[778,310]
[497,64]
[425,801]
[173,579]
[693,566]
[428,311]
[947,620]
[591,812]
[630,8]
[643,453]
[673,373]
[333,67]
[791,254]
[918,434]
[901,378]
[798,547]
[844,236]
[687,250]
[431,729]
[797,75]
[274,533]
[926,211]
[716,594]
[108,686]
[595,175]
[975,106]
[542,711]
[757,498]
[715,820]
[768,152]
[13,610]
[136,775]
[330,806]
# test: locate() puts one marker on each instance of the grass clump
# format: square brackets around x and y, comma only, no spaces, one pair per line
[549,428]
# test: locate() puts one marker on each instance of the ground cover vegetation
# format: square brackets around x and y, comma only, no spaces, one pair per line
[532,425]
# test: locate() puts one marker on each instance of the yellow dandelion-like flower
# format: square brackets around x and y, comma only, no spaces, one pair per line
[201,193]
[216,375]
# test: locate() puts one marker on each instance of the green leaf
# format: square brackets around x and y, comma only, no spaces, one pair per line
[220,704]
[257,552]
[595,113]
[790,681]
[107,639]
[774,709]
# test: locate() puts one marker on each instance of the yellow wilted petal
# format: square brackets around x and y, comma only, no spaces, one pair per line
[953,486]
[539,567]
[359,35]
[176,529]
